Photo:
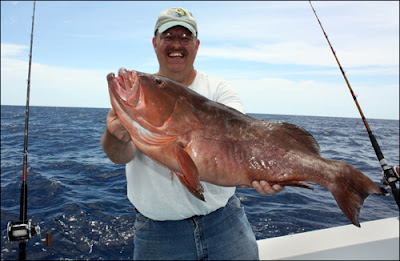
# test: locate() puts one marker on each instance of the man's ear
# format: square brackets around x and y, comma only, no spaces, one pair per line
[154,43]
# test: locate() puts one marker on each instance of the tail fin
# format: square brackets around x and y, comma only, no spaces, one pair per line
[350,188]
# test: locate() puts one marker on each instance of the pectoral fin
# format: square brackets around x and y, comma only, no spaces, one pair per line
[190,177]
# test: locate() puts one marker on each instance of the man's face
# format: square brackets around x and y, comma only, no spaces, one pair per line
[175,53]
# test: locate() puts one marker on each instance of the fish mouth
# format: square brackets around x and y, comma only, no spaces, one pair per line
[125,87]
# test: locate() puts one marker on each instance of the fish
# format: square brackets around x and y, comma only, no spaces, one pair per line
[202,140]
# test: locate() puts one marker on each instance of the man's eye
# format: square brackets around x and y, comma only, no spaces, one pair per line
[185,39]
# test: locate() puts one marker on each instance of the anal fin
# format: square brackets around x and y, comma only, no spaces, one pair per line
[296,184]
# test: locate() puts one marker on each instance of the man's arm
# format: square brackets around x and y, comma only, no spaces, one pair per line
[116,141]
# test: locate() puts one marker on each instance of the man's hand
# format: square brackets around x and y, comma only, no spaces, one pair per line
[116,140]
[115,127]
[264,188]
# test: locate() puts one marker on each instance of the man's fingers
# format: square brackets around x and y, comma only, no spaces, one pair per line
[115,127]
[265,189]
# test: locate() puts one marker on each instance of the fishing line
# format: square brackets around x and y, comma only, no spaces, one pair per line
[390,174]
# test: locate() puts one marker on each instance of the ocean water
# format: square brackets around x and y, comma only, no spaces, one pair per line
[78,195]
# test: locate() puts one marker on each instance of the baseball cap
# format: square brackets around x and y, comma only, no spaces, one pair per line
[176,17]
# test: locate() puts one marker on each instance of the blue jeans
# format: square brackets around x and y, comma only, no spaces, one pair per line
[222,234]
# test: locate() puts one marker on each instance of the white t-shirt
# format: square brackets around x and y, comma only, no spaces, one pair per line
[150,187]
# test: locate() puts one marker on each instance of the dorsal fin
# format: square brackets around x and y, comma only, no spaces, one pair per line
[302,136]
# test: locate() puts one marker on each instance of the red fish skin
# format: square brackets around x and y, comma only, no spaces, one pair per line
[203,140]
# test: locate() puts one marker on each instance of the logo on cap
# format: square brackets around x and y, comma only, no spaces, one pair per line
[179,12]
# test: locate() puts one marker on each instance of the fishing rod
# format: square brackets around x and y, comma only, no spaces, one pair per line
[23,229]
[390,174]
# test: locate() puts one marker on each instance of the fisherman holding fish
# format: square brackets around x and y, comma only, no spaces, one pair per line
[171,223]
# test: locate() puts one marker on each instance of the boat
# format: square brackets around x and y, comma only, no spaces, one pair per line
[374,240]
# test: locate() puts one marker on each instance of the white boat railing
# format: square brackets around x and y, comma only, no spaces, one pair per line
[375,240]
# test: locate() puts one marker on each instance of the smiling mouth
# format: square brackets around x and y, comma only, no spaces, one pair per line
[176,54]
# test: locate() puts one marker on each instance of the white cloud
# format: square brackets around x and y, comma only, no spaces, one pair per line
[297,52]
[280,53]
[8,49]
[362,33]
[53,86]
[309,97]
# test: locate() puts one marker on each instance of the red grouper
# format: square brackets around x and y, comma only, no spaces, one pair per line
[202,140]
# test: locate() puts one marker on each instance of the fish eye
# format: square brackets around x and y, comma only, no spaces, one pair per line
[159,82]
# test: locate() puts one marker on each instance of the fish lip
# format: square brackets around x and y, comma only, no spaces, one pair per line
[135,92]
[127,87]
[110,76]
[114,85]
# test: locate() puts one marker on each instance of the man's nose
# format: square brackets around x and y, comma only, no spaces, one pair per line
[177,41]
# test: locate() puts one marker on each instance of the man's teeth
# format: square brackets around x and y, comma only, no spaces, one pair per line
[175,55]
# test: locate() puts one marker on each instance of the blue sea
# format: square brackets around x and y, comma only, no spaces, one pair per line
[78,195]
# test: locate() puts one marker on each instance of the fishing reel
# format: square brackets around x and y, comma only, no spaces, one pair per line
[20,230]
[390,175]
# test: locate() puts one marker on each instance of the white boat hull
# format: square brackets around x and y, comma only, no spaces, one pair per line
[378,239]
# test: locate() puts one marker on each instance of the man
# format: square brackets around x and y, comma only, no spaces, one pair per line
[171,223]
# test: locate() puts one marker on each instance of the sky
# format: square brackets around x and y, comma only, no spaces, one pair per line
[274,53]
